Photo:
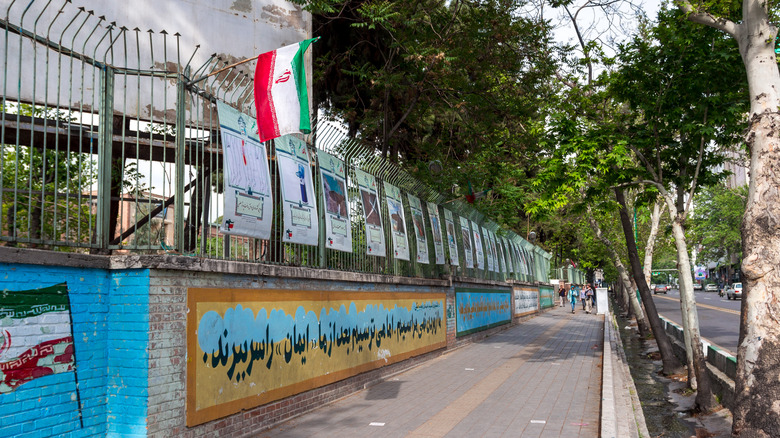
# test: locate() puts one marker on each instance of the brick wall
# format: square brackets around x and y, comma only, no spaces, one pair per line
[130,339]
[128,342]
[109,360]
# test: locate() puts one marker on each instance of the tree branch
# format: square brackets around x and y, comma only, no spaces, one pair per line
[708,19]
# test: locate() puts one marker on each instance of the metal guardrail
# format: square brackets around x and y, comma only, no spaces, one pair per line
[102,153]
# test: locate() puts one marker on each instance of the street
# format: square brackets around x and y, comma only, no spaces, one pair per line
[718,317]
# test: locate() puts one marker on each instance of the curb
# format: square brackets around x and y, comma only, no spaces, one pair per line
[610,411]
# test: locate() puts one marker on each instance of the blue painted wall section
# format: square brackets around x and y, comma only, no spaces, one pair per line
[109,314]
[481,309]
[128,353]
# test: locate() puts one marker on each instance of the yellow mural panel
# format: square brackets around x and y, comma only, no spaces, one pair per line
[250,347]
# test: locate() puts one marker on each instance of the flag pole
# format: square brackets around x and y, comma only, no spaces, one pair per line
[216,72]
[235,64]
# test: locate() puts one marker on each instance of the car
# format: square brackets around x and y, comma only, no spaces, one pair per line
[734,291]
[712,287]
[659,288]
[696,286]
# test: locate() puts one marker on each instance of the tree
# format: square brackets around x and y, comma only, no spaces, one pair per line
[717,221]
[50,196]
[675,83]
[757,385]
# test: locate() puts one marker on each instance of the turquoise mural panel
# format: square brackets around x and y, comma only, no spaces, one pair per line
[481,309]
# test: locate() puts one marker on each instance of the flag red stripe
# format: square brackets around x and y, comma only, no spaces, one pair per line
[25,367]
[267,124]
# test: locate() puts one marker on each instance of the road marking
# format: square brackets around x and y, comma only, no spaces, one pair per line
[706,306]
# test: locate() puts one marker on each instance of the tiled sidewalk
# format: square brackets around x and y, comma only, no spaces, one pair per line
[541,378]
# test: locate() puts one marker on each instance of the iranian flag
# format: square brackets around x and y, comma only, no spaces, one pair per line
[281,96]
[36,338]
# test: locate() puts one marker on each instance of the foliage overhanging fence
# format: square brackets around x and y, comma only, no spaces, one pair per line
[110,142]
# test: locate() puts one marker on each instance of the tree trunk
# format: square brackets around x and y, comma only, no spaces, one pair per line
[705,400]
[670,363]
[655,220]
[641,322]
[756,408]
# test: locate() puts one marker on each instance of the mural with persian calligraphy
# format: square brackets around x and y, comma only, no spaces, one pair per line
[526,300]
[481,309]
[250,347]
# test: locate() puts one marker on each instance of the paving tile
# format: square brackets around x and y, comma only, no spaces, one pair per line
[545,369]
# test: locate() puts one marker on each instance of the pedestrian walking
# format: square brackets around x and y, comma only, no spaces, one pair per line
[574,295]
[561,295]
[583,297]
[588,299]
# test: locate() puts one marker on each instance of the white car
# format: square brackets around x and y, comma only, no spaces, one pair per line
[712,287]
[696,286]
[734,291]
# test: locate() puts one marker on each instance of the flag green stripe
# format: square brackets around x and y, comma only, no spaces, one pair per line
[299,73]
[25,303]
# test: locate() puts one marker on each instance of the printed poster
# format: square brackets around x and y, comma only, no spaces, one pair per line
[452,243]
[507,255]
[491,267]
[516,256]
[419,228]
[500,251]
[300,208]
[247,196]
[395,209]
[468,247]
[528,262]
[438,244]
[494,250]
[480,260]
[369,196]
[523,261]
[531,262]
[338,227]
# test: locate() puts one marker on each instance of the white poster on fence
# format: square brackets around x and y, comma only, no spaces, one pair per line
[369,197]
[452,243]
[248,205]
[479,262]
[508,255]
[338,227]
[395,208]
[419,228]
[438,243]
[500,252]
[468,247]
[298,204]
[491,267]
[494,248]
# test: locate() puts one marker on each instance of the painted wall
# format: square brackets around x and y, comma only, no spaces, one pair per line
[249,347]
[546,297]
[481,309]
[176,300]
[526,300]
[108,313]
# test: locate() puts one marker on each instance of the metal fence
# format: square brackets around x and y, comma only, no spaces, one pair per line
[110,143]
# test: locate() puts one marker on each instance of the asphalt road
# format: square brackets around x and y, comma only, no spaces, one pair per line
[718,317]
